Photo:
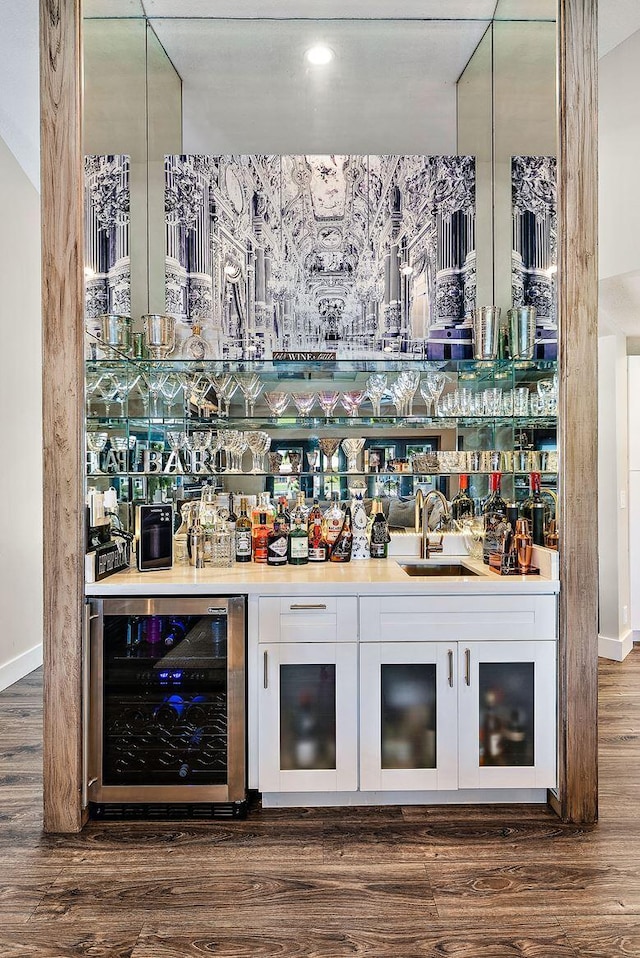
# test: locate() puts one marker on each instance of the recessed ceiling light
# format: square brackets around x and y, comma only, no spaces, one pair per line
[319,55]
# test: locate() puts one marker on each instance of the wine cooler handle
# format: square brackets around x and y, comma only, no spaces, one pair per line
[467,666]
[308,605]
[450,657]
[265,667]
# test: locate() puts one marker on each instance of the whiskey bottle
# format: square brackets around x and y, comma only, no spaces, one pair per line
[341,549]
[299,534]
[536,510]
[494,511]
[462,503]
[243,534]
[318,548]
[380,537]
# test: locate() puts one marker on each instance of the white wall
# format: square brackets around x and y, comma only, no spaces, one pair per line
[20,402]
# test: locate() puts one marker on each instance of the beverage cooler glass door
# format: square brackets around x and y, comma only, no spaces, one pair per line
[507,714]
[168,700]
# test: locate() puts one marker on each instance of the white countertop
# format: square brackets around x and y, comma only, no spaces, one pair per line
[358,577]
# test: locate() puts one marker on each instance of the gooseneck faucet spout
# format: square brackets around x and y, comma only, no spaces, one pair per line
[427,548]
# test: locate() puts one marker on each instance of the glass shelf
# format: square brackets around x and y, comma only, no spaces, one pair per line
[302,475]
[289,422]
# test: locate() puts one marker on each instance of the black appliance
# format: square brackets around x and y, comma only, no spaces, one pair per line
[154,536]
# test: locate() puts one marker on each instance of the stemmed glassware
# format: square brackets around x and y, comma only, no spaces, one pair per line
[155,380]
[96,441]
[304,402]
[251,386]
[196,389]
[259,444]
[313,459]
[376,387]
[407,383]
[329,447]
[171,389]
[328,401]
[432,388]
[351,401]
[277,402]
[160,334]
[176,442]
[225,387]
[352,448]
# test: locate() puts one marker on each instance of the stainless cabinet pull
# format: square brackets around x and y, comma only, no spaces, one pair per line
[450,657]
[266,670]
[467,666]
[319,605]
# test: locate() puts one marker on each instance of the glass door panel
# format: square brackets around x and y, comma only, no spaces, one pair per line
[307,716]
[506,708]
[408,716]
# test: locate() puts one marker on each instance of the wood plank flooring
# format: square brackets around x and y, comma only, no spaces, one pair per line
[413,882]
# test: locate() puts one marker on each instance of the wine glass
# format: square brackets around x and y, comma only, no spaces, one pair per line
[304,402]
[435,383]
[426,394]
[352,448]
[251,386]
[329,447]
[351,401]
[96,441]
[398,395]
[376,385]
[176,442]
[408,380]
[328,401]
[277,402]
[313,459]
[259,444]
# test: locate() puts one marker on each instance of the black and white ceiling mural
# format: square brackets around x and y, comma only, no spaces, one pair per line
[107,265]
[360,255]
[534,257]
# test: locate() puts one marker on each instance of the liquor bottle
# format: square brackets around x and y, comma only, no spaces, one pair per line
[341,549]
[232,517]
[380,537]
[334,518]
[261,538]
[176,631]
[299,534]
[514,737]
[195,347]
[264,507]
[492,731]
[318,548]
[536,510]
[359,520]
[181,535]
[283,511]
[243,534]
[494,511]
[462,503]
[277,543]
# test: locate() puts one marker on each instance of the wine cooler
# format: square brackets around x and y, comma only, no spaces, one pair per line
[167,701]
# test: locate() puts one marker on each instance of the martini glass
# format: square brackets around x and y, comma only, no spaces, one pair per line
[176,442]
[351,401]
[251,386]
[329,447]
[304,402]
[277,402]
[225,387]
[328,401]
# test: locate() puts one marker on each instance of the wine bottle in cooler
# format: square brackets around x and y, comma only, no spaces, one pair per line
[494,511]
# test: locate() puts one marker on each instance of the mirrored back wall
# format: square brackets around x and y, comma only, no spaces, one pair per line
[479,87]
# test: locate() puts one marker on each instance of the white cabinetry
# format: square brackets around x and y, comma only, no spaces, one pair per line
[406,693]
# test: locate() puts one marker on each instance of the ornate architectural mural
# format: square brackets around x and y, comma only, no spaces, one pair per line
[535,231]
[361,255]
[107,263]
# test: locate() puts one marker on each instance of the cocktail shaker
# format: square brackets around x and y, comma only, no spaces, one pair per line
[524,545]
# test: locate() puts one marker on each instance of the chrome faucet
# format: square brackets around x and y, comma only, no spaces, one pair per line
[422,520]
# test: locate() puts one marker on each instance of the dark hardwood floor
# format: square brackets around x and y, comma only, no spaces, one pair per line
[411,882]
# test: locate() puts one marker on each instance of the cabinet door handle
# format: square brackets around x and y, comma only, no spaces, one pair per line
[467,666]
[265,666]
[319,605]
[450,658]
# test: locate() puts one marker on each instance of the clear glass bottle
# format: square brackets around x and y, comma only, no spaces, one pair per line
[181,536]
[462,503]
[221,544]
[494,511]
[341,549]
[299,534]
[359,520]
[243,534]
[195,347]
[260,538]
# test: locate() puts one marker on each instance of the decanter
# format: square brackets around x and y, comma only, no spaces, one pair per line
[195,347]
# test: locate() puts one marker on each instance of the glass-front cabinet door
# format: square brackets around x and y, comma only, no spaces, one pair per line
[507,697]
[308,717]
[408,716]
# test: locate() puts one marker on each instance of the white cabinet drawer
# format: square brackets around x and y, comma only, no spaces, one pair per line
[308,619]
[465,618]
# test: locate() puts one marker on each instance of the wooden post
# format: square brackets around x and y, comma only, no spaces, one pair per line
[578,340]
[63,407]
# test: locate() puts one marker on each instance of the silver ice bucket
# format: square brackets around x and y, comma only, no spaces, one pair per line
[521,326]
[486,332]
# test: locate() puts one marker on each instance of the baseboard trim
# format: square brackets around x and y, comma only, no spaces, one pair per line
[616,649]
[16,669]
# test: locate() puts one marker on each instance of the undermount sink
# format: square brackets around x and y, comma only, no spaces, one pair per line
[438,568]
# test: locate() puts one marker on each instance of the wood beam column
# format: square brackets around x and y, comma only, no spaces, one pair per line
[578,408]
[63,407]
